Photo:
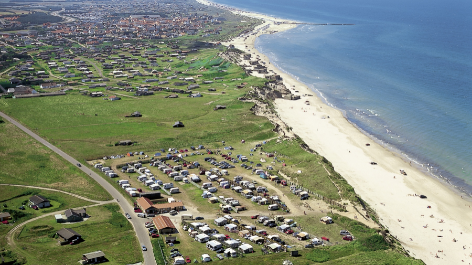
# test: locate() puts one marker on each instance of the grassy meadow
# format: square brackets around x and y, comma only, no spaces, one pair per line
[27,162]
[12,198]
[105,230]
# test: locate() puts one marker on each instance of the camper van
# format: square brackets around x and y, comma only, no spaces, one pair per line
[168,185]
[273,207]
[174,190]
[178,178]
[212,189]
[206,185]
[173,174]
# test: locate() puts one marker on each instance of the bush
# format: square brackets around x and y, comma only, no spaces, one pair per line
[373,243]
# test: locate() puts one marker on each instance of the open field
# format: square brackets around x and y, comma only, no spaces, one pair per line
[27,162]
[11,198]
[106,230]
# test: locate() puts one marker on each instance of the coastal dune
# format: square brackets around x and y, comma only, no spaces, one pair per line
[436,229]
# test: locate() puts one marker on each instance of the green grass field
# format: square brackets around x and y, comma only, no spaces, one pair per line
[105,230]
[11,198]
[27,162]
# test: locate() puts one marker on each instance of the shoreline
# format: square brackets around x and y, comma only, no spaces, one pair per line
[445,226]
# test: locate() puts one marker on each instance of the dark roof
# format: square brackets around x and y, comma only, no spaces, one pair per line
[70,212]
[67,233]
[95,254]
[37,199]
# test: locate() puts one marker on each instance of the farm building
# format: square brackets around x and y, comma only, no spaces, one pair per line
[94,257]
[164,225]
[39,201]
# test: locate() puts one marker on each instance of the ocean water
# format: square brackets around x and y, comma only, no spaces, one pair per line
[402,73]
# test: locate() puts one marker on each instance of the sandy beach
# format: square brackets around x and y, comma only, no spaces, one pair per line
[437,230]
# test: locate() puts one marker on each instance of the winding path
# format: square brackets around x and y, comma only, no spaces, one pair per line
[11,233]
[141,232]
[65,192]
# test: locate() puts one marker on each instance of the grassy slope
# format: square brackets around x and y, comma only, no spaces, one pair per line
[25,161]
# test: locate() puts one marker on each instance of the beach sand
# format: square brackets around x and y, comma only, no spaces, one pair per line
[441,234]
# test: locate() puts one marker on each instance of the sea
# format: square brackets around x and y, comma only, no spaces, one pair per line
[402,73]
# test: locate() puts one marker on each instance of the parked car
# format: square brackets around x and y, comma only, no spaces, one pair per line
[227,237]
[220,250]
[219,256]
[187,259]
[128,216]
[309,246]
[344,233]
[154,235]
[289,231]
[255,216]
[79,165]
[173,212]
[199,218]
[325,238]
[143,247]
[347,238]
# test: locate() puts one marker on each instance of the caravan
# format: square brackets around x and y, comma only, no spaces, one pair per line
[273,207]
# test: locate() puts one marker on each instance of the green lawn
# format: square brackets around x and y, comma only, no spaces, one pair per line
[106,230]
[11,198]
[27,162]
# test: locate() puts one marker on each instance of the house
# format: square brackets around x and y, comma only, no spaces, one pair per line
[75,215]
[164,225]
[146,205]
[167,207]
[39,201]
[4,217]
[214,245]
[178,124]
[246,248]
[94,257]
[68,235]
[221,221]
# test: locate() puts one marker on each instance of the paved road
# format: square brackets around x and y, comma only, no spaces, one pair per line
[140,230]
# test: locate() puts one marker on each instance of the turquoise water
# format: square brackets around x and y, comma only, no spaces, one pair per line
[402,73]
